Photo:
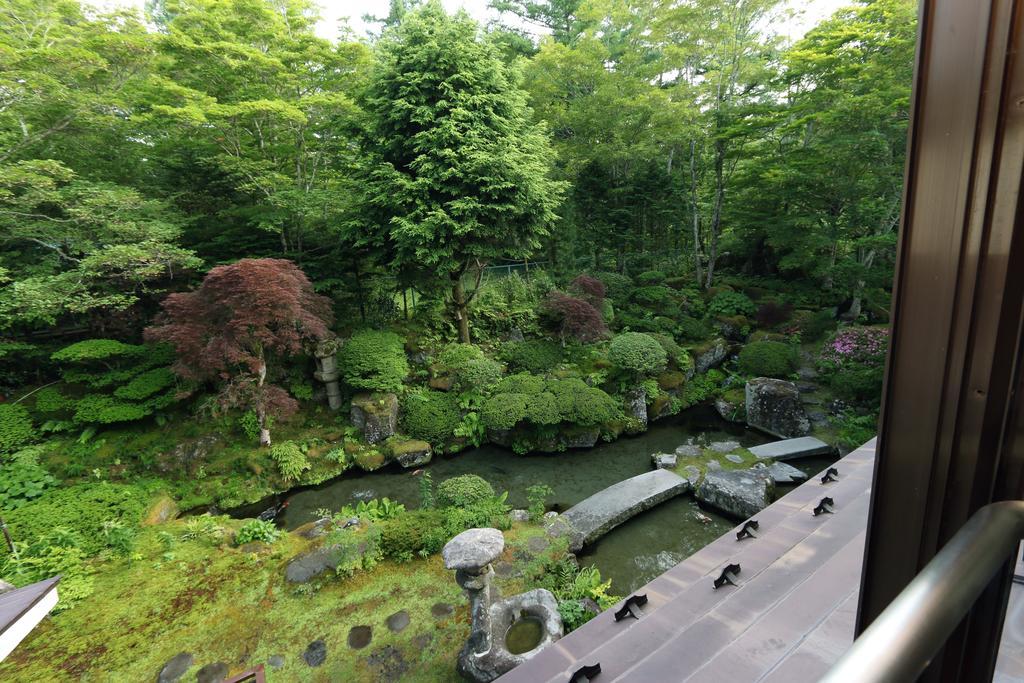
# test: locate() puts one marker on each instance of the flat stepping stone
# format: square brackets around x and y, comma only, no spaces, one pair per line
[607,509]
[441,610]
[275,661]
[664,461]
[398,621]
[786,474]
[316,653]
[537,544]
[732,457]
[789,449]
[724,446]
[175,668]
[388,664]
[422,641]
[688,451]
[504,569]
[212,673]
[359,637]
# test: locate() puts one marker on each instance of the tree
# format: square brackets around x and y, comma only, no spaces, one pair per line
[571,317]
[240,317]
[457,173]
[75,246]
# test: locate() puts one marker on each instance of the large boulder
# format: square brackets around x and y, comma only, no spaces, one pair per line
[710,355]
[473,550]
[774,406]
[741,493]
[636,408]
[163,509]
[376,415]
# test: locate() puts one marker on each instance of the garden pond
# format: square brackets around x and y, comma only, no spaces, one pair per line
[630,555]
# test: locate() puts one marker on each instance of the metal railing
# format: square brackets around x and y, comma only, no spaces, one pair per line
[901,642]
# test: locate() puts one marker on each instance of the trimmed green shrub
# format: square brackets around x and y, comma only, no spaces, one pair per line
[51,400]
[729,304]
[374,360]
[257,530]
[291,461]
[637,353]
[582,404]
[470,368]
[504,411]
[431,416]
[419,531]
[97,349]
[816,326]
[616,285]
[82,509]
[464,490]
[650,277]
[534,355]
[520,383]
[678,357]
[656,296]
[768,359]
[16,428]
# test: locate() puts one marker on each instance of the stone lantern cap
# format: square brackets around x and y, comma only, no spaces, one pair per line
[473,549]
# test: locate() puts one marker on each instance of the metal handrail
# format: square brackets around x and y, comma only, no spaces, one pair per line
[902,640]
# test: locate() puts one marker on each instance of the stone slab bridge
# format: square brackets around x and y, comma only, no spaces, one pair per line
[610,507]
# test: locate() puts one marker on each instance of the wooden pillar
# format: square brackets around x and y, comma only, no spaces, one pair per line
[950,431]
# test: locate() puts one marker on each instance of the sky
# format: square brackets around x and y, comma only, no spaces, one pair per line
[809,12]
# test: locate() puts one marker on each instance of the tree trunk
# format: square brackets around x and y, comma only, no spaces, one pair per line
[697,257]
[716,214]
[261,410]
[461,309]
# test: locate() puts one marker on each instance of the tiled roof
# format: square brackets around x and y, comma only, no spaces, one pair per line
[14,604]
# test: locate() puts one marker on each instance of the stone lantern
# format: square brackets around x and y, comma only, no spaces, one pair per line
[327,369]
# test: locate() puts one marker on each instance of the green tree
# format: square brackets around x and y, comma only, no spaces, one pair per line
[458,173]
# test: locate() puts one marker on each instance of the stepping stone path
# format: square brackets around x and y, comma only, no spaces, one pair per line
[732,457]
[537,544]
[398,621]
[724,446]
[422,641]
[441,610]
[504,569]
[688,450]
[359,637]
[388,664]
[212,673]
[276,661]
[664,461]
[175,668]
[316,653]
[785,474]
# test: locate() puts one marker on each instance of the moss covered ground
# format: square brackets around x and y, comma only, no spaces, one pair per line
[231,605]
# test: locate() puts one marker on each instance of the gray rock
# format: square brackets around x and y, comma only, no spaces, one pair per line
[308,566]
[551,514]
[713,465]
[473,549]
[4,586]
[515,335]
[731,329]
[712,357]
[519,516]
[781,473]
[275,661]
[692,472]
[664,461]
[774,406]
[580,437]
[741,493]
[537,544]
[818,419]
[733,457]
[636,408]
[790,449]
[212,673]
[729,411]
[413,453]
[398,621]
[175,668]
[359,637]
[689,450]
[805,372]
[376,415]
[724,446]
[314,529]
[806,387]
[605,510]
[315,654]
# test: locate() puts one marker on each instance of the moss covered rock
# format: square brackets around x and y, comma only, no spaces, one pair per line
[410,452]
[376,415]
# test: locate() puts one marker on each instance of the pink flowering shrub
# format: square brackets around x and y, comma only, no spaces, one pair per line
[853,362]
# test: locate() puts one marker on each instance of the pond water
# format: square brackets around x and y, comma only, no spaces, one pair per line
[630,556]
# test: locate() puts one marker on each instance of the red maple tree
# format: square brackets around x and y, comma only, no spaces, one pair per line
[240,316]
[589,288]
[569,316]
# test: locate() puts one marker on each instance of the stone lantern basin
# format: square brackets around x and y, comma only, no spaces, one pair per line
[504,632]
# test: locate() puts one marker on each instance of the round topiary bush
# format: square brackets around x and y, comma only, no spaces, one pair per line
[431,416]
[616,285]
[16,428]
[533,356]
[651,277]
[504,411]
[637,353]
[729,304]
[374,360]
[768,359]
[463,491]
[469,366]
